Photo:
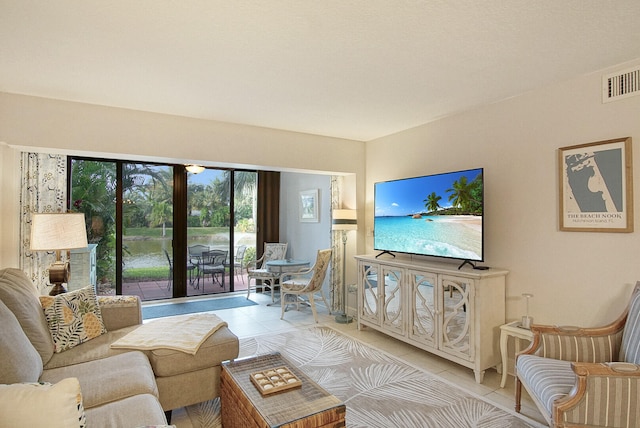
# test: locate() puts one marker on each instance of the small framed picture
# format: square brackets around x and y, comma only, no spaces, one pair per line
[596,187]
[309,206]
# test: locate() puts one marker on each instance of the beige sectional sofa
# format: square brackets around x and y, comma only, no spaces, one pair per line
[119,387]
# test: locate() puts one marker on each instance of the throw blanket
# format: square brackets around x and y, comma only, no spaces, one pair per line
[181,333]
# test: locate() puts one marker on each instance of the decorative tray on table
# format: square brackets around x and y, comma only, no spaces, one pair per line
[274,380]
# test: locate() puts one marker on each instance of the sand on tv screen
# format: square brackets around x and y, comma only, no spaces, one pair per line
[437,215]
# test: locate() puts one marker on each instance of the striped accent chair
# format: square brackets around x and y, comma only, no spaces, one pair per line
[585,377]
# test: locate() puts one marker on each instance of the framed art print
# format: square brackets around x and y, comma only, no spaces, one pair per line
[596,187]
[309,206]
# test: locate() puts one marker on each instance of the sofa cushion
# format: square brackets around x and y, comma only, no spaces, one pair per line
[630,349]
[220,346]
[73,317]
[546,379]
[20,361]
[120,311]
[94,349]
[42,404]
[142,410]
[21,296]
[109,379]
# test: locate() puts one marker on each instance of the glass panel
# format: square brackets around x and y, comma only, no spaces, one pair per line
[455,323]
[369,276]
[93,192]
[393,315]
[147,230]
[246,217]
[208,225]
[424,311]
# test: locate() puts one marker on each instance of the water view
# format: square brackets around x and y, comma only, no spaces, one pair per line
[446,236]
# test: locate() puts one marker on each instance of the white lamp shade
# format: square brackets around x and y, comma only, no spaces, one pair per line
[59,231]
[344,220]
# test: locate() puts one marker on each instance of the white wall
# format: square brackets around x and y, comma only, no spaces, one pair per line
[305,239]
[9,206]
[577,278]
[53,126]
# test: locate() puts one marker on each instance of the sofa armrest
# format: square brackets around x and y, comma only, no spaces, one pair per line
[601,396]
[120,311]
[592,345]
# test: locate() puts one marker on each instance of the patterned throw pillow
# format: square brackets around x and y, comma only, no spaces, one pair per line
[41,404]
[73,317]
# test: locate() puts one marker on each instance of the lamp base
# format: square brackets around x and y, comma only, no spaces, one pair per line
[343,319]
[57,289]
[58,274]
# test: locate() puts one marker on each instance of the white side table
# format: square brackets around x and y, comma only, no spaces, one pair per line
[519,333]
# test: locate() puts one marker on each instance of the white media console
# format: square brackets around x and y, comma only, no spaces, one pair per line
[454,313]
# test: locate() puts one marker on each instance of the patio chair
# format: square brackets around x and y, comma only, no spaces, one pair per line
[585,376]
[307,282]
[195,258]
[238,261]
[213,263]
[190,269]
[259,271]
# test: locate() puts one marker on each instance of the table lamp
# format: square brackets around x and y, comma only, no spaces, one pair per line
[344,221]
[58,232]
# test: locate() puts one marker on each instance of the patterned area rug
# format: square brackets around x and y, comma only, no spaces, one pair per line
[378,389]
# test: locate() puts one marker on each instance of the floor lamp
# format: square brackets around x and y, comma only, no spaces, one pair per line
[344,221]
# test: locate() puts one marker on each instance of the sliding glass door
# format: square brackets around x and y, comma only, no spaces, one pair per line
[208,232]
[147,230]
[93,191]
[139,214]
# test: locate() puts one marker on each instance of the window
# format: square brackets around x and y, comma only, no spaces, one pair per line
[136,213]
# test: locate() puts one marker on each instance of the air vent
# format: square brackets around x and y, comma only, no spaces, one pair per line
[621,84]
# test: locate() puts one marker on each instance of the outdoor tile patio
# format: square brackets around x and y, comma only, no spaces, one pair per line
[159,290]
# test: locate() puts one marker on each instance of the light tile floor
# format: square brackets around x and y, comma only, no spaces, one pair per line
[262,319]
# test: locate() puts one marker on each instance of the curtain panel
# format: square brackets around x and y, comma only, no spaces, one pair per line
[43,190]
[336,246]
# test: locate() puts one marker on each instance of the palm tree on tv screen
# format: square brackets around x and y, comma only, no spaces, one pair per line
[432,202]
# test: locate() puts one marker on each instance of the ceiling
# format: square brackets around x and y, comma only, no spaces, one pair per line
[356,69]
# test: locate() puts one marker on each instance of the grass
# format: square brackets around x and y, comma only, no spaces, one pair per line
[147,273]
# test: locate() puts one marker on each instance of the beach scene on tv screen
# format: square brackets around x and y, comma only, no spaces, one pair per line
[438,215]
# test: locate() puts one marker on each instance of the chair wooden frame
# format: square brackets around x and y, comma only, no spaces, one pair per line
[590,375]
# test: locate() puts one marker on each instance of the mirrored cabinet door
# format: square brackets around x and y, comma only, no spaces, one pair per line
[369,308]
[423,309]
[455,295]
[393,315]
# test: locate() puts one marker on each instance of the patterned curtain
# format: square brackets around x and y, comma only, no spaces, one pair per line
[336,246]
[43,190]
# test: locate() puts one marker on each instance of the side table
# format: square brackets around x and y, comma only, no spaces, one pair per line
[519,333]
[242,405]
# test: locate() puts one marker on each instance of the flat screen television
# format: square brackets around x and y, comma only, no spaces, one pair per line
[437,215]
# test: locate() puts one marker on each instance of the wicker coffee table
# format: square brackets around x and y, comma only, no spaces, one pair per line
[244,406]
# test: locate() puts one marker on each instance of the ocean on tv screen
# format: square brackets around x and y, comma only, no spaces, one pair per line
[453,236]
